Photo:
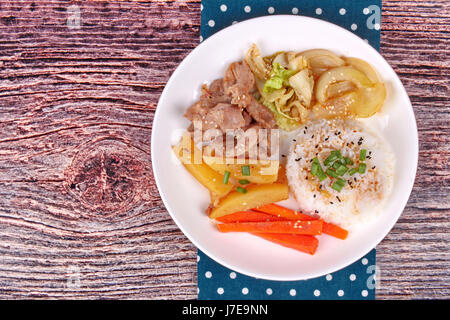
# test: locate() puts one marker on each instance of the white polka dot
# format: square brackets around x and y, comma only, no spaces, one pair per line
[247,9]
[316,293]
[340,293]
[220,290]
[198,290]
[366,11]
[319,11]
[364,293]
[198,257]
[292,292]
[244,290]
[201,7]
[211,23]
[295,10]
[208,274]
[234,22]
[329,277]
[376,26]
[269,291]
[271,10]
[223,8]
[364,261]
[342,11]
[233,275]
[201,39]
[352,277]
[354,26]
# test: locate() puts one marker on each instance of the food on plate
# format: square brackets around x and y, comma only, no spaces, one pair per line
[339,172]
[209,178]
[285,213]
[315,84]
[259,171]
[253,196]
[299,242]
[246,216]
[311,227]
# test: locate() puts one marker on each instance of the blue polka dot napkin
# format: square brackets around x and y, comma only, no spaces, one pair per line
[357,281]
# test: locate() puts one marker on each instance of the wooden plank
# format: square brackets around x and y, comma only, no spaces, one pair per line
[74,103]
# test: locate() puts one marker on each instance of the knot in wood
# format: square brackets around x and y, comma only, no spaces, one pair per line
[108,177]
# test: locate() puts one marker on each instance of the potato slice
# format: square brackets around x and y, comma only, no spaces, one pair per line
[261,171]
[208,177]
[257,195]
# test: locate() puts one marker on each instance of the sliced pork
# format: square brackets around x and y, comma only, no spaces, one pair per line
[260,113]
[225,117]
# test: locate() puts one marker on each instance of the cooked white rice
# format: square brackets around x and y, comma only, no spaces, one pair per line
[364,195]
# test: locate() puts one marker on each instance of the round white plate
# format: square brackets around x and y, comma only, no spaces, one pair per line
[186,200]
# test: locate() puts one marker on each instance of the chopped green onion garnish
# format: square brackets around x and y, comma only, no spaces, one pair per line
[337,153]
[361,168]
[341,170]
[336,165]
[321,175]
[348,161]
[336,186]
[245,170]
[226,177]
[332,173]
[334,155]
[330,159]
[362,155]
[243,181]
[241,190]
[352,171]
[315,168]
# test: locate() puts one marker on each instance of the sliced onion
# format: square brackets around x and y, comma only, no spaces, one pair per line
[321,58]
[371,100]
[364,67]
[317,72]
[339,88]
[341,107]
[336,75]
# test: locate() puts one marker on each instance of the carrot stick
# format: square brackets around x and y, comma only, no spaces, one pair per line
[334,230]
[283,212]
[300,242]
[279,211]
[288,226]
[247,216]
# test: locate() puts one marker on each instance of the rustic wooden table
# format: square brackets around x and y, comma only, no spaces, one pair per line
[80,214]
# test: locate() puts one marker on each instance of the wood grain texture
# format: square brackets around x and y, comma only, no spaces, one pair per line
[80,214]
